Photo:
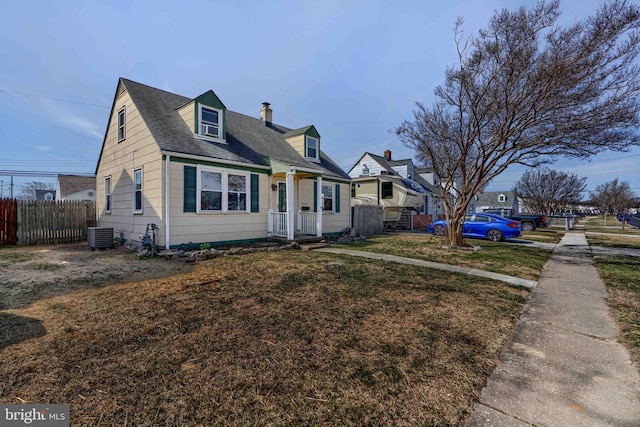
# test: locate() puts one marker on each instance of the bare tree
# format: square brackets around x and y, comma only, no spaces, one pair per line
[28,190]
[545,190]
[526,91]
[613,196]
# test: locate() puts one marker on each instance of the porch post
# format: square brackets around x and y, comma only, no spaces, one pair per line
[291,212]
[319,213]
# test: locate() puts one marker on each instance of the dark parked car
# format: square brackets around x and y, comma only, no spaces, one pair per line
[483,226]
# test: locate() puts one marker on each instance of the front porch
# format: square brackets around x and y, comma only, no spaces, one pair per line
[306,228]
[295,213]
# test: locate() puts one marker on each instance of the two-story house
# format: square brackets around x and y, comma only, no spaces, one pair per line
[205,174]
[503,203]
[373,165]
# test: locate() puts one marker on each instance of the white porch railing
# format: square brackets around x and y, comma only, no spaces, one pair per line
[278,224]
[307,223]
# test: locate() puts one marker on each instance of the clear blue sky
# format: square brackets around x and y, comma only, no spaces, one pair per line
[354,69]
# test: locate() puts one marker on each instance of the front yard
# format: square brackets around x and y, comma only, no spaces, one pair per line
[273,338]
[519,260]
[621,275]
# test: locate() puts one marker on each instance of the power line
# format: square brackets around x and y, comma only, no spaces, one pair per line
[47,163]
[53,99]
[42,174]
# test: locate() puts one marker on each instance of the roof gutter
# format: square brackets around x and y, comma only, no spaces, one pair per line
[296,169]
[175,154]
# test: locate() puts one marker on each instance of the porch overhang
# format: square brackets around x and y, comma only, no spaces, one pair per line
[279,168]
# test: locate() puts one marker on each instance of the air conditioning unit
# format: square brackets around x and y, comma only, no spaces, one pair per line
[210,130]
[100,237]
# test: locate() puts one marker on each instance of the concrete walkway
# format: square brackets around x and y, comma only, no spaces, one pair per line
[446,267]
[563,365]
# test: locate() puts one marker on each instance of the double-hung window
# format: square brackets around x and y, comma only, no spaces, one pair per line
[137,191]
[210,119]
[237,192]
[210,191]
[107,194]
[121,124]
[327,197]
[222,191]
[312,148]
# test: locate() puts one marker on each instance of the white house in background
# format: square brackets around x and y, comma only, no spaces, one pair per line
[46,195]
[503,203]
[373,165]
[205,174]
[76,187]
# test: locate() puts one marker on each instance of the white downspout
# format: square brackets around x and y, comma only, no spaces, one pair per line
[291,212]
[319,213]
[167,201]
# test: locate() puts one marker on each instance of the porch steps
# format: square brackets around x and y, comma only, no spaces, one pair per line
[312,246]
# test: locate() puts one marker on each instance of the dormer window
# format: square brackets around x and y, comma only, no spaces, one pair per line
[312,148]
[210,122]
[502,198]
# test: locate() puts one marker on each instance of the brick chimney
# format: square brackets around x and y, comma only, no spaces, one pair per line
[266,113]
[387,154]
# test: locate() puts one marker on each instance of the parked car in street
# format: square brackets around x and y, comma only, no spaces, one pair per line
[482,226]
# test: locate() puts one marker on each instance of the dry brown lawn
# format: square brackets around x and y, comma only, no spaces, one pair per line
[283,338]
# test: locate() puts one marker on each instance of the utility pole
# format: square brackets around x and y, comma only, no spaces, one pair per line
[11,186]
[1,189]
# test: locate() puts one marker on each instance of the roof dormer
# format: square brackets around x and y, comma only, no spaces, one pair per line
[306,142]
[206,117]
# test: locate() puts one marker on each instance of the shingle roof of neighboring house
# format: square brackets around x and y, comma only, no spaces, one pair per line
[388,166]
[382,161]
[40,194]
[490,198]
[425,184]
[70,184]
[248,139]
[424,170]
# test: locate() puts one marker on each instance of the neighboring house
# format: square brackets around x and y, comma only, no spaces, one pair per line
[372,165]
[503,203]
[205,174]
[45,195]
[76,187]
[431,177]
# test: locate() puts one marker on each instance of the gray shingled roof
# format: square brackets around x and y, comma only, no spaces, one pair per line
[490,198]
[420,180]
[248,139]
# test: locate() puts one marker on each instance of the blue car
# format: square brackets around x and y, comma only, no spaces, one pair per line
[482,226]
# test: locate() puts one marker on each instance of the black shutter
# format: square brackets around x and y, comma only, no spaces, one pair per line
[255,192]
[337,198]
[315,196]
[190,189]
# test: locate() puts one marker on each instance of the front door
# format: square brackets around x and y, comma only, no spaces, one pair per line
[282,197]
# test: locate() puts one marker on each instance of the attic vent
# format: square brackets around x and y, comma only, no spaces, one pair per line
[121,90]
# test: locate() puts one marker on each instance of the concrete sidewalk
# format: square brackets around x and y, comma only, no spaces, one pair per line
[563,365]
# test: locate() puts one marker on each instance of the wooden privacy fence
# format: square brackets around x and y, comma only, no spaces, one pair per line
[367,220]
[48,222]
[8,222]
